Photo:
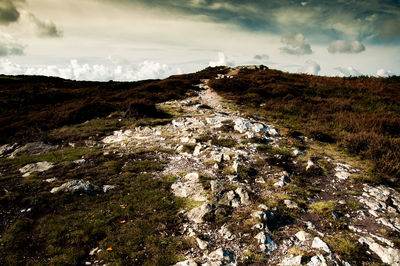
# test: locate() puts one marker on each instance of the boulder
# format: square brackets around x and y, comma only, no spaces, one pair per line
[33,148]
[388,255]
[303,236]
[75,186]
[321,245]
[6,149]
[28,169]
[189,187]
[196,214]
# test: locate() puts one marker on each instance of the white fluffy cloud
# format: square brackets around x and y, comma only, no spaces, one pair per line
[347,72]
[222,60]
[76,71]
[311,67]
[341,46]
[9,46]
[384,73]
[295,44]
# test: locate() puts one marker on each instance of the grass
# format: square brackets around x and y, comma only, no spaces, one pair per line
[224,142]
[137,221]
[322,207]
[346,246]
[274,151]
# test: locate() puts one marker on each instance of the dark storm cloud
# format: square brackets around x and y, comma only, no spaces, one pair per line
[374,20]
[8,11]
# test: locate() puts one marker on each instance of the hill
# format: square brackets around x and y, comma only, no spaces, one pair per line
[226,166]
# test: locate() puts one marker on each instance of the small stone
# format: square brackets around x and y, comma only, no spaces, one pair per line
[93,251]
[107,188]
[186,263]
[297,152]
[221,255]
[303,236]
[259,215]
[290,204]
[310,164]
[201,243]
[50,180]
[260,180]
[80,161]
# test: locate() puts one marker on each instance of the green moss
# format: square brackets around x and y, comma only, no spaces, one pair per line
[322,206]
[224,142]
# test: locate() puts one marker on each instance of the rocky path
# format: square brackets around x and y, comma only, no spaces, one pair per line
[257,195]
[250,200]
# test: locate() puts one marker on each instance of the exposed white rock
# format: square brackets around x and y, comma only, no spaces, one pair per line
[216,185]
[303,236]
[310,164]
[201,243]
[230,198]
[244,196]
[296,152]
[7,149]
[259,215]
[388,255]
[317,260]
[321,245]
[290,204]
[118,137]
[50,180]
[222,255]
[225,233]
[266,243]
[291,261]
[186,263]
[196,214]
[197,150]
[33,148]
[81,186]
[28,169]
[189,187]
[80,161]
[107,188]
[283,181]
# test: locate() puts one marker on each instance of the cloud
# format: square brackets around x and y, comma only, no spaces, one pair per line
[295,44]
[311,67]
[384,73]
[9,46]
[76,71]
[8,12]
[341,46]
[261,57]
[347,72]
[45,28]
[220,62]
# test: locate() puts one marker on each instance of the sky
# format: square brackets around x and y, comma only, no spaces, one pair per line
[131,40]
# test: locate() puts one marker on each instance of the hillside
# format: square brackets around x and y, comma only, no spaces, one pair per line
[226,166]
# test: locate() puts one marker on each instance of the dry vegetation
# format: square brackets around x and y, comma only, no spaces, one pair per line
[360,114]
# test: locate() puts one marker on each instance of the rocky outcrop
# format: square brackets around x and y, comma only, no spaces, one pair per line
[28,169]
